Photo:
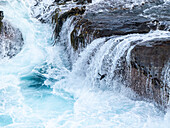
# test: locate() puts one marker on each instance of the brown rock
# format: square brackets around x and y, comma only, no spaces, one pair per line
[93,26]
[60,20]
[146,78]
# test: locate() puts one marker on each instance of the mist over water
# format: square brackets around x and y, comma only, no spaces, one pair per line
[38,89]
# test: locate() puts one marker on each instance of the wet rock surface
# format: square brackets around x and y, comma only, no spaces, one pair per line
[144,70]
[83,1]
[59,20]
[1,18]
[148,61]
[116,18]
[161,15]
[11,40]
[95,25]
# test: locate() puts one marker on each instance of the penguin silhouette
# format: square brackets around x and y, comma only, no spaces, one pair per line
[102,76]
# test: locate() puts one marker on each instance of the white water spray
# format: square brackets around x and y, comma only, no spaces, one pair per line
[73,100]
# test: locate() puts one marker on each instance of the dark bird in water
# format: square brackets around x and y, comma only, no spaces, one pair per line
[102,76]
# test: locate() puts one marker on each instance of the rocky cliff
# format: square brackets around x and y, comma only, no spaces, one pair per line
[148,59]
[148,62]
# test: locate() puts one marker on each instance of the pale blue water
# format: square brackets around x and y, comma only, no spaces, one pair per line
[37,89]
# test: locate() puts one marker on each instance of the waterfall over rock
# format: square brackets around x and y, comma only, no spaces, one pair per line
[143,57]
[84,63]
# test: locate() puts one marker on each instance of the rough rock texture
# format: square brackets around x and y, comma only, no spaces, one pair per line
[59,20]
[93,26]
[11,40]
[44,12]
[148,60]
[119,20]
[161,14]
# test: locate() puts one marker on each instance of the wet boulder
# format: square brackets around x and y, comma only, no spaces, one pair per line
[95,25]
[149,72]
[11,40]
[59,20]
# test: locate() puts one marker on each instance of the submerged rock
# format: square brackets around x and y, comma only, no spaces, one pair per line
[11,40]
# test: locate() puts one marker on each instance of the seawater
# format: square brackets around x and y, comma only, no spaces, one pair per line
[38,90]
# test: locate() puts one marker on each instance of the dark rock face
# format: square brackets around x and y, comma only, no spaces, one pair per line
[119,21]
[62,1]
[1,17]
[93,26]
[11,40]
[148,60]
[83,1]
[60,20]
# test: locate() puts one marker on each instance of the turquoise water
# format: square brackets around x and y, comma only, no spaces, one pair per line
[37,89]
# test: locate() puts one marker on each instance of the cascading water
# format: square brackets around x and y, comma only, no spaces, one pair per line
[38,89]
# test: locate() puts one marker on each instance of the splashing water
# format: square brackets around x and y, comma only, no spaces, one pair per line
[38,91]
